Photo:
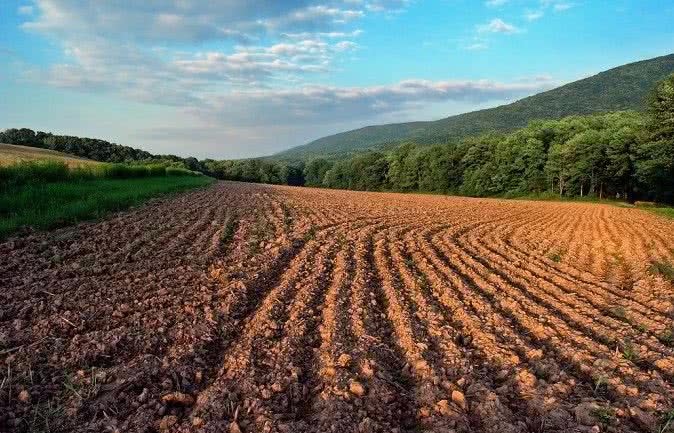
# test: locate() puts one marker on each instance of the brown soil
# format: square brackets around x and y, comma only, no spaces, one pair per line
[252,308]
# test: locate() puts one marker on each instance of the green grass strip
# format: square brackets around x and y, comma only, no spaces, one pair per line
[667,212]
[44,206]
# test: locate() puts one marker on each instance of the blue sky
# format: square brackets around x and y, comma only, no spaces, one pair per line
[241,78]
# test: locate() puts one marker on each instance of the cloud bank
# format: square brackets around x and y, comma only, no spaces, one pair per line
[240,66]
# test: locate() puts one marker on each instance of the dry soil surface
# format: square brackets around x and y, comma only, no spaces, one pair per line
[252,308]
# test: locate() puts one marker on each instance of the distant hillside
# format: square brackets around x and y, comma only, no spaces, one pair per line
[92,148]
[622,88]
[11,154]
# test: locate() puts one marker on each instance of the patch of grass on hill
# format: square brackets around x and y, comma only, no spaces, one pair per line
[48,195]
[35,172]
[11,154]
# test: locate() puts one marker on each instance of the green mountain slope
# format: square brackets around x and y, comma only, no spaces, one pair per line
[622,88]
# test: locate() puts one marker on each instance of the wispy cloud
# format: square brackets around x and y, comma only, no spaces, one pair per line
[476,46]
[533,15]
[238,65]
[554,5]
[497,25]
[559,7]
[328,103]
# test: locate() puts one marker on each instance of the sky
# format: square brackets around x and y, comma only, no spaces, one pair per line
[243,78]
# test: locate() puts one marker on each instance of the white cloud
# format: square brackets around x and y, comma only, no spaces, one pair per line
[251,67]
[229,124]
[346,46]
[193,20]
[544,5]
[533,15]
[328,35]
[497,25]
[383,5]
[559,7]
[323,104]
[295,32]
[495,3]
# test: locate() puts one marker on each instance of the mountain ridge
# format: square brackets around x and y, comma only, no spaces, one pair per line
[620,88]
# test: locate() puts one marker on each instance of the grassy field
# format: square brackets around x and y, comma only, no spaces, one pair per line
[667,212]
[11,154]
[50,205]
[47,193]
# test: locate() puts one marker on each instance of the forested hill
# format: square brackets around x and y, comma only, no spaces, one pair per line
[621,88]
[93,148]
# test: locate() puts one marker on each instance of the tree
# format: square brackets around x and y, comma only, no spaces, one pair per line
[624,138]
[403,173]
[22,137]
[338,176]
[315,170]
[292,175]
[368,172]
[439,168]
[269,172]
[480,167]
[655,165]
[98,150]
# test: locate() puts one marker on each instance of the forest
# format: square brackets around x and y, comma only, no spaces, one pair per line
[625,155]
[93,148]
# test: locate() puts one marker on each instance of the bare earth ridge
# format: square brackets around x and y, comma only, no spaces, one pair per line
[253,308]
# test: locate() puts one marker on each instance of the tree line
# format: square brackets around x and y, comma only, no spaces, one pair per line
[626,155]
[94,149]
[257,171]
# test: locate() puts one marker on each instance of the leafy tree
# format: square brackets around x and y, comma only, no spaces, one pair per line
[403,172]
[655,165]
[315,170]
[23,137]
[480,166]
[440,168]
[338,176]
[292,175]
[368,172]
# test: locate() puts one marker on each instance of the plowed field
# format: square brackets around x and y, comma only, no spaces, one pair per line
[251,308]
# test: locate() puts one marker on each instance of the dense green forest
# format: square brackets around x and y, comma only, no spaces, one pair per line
[256,170]
[627,155]
[93,148]
[624,88]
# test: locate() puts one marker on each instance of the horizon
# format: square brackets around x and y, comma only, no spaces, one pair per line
[228,80]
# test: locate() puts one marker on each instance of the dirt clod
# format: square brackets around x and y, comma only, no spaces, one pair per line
[179,398]
[167,422]
[24,396]
[344,360]
[357,388]
[459,399]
